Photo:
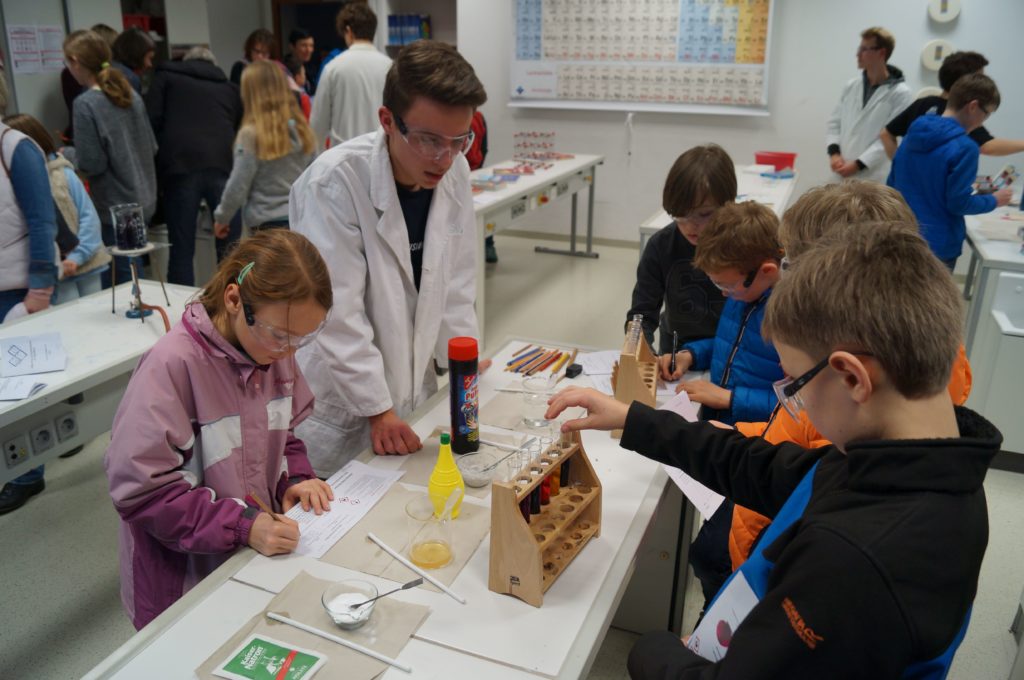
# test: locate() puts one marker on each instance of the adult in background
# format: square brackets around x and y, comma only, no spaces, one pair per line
[954,67]
[195,113]
[259,46]
[114,143]
[392,213]
[351,88]
[133,52]
[868,101]
[28,272]
[301,43]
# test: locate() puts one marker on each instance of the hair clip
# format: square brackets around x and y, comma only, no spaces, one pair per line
[104,65]
[244,272]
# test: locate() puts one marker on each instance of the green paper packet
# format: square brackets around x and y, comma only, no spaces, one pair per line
[264,658]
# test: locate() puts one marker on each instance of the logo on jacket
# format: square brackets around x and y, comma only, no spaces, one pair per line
[803,631]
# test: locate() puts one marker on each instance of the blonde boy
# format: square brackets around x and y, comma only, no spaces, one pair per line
[871,565]
[739,251]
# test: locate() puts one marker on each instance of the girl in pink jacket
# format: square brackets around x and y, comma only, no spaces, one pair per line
[206,425]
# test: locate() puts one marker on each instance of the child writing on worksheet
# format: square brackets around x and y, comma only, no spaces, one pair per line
[205,432]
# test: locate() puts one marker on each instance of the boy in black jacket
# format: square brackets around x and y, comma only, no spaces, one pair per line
[871,563]
[670,293]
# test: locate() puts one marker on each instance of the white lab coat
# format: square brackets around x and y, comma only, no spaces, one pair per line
[349,94]
[855,128]
[376,351]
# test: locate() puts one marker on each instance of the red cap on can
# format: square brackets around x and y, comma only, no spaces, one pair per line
[462,348]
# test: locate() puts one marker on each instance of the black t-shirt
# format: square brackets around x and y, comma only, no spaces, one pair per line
[936,105]
[672,295]
[415,208]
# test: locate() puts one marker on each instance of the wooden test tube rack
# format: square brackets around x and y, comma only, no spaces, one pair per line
[635,376]
[527,557]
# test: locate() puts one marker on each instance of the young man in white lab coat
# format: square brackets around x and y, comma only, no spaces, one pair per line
[351,86]
[392,214]
[868,102]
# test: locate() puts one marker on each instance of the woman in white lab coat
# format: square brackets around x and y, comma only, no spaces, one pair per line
[377,350]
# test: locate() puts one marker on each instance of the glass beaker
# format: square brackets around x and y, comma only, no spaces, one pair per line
[430,537]
[129,226]
[536,392]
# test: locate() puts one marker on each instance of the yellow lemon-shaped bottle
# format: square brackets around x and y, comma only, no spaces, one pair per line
[445,479]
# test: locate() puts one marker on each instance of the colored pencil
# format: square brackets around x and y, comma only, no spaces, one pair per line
[253,498]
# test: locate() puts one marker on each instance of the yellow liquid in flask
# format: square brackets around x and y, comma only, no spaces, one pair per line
[431,554]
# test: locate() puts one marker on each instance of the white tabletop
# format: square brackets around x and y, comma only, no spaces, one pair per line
[559,170]
[99,344]
[751,186]
[993,252]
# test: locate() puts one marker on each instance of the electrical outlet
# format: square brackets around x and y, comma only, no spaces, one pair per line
[67,426]
[16,450]
[42,438]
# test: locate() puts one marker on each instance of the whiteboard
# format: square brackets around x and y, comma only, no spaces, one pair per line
[697,56]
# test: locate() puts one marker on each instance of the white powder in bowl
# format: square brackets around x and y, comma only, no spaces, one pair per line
[341,611]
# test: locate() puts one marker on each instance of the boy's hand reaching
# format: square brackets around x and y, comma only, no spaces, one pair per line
[312,493]
[1003,196]
[707,393]
[272,537]
[603,411]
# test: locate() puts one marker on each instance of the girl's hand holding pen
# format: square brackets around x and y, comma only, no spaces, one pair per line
[603,411]
[273,534]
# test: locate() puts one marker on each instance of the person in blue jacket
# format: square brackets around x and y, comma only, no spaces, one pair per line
[739,251]
[937,164]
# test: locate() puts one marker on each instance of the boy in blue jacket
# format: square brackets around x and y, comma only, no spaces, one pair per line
[937,164]
[739,251]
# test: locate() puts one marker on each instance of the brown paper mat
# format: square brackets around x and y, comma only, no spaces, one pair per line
[505,410]
[392,624]
[388,523]
[420,465]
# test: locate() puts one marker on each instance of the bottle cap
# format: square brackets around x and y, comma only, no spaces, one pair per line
[462,349]
[445,438]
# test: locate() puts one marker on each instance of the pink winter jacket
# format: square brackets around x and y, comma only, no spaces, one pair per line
[199,427]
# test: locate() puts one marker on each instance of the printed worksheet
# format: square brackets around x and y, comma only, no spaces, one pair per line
[28,354]
[19,387]
[704,499]
[357,488]
[713,635]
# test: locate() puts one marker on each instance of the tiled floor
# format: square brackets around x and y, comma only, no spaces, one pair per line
[58,556]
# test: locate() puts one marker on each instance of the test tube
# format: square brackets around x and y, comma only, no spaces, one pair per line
[535,501]
[545,491]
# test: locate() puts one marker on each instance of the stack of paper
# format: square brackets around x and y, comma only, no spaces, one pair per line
[22,358]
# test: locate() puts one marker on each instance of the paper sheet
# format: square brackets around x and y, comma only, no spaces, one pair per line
[598,363]
[19,387]
[704,499]
[27,354]
[713,635]
[357,488]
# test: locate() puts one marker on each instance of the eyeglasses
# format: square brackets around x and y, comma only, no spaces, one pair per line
[746,283]
[432,146]
[701,216]
[787,390]
[272,337]
[861,48]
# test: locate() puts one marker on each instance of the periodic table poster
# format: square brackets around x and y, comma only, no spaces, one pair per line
[641,54]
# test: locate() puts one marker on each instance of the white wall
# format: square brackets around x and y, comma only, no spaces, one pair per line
[187,23]
[813,48]
[38,94]
[86,13]
[230,23]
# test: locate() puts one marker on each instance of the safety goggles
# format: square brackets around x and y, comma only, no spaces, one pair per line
[433,146]
[788,389]
[699,217]
[272,337]
[733,287]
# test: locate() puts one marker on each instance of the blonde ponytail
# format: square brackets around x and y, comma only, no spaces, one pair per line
[115,86]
